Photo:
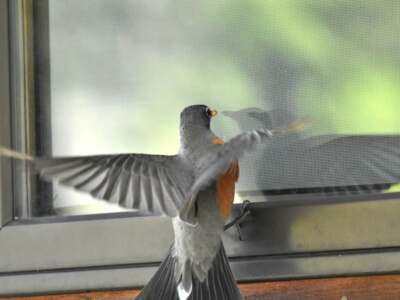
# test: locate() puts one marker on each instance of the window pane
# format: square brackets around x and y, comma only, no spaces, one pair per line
[121,72]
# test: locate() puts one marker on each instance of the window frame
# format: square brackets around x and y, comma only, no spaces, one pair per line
[101,252]
[5,124]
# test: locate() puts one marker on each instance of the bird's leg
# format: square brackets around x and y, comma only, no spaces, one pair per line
[244,213]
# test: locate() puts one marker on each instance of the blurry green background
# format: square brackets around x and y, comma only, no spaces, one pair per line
[121,71]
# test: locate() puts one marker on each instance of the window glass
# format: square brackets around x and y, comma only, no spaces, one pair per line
[121,72]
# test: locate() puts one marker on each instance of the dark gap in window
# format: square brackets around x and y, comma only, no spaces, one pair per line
[42,86]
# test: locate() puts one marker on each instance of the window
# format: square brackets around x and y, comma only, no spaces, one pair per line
[88,77]
[109,76]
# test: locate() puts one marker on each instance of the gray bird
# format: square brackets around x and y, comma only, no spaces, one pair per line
[194,187]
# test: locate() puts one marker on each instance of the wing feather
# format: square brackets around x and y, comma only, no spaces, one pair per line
[346,163]
[124,182]
[219,160]
[150,183]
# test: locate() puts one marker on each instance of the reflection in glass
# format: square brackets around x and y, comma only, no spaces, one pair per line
[122,71]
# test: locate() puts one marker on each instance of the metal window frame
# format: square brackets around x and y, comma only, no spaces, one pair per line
[281,242]
[5,121]
[284,239]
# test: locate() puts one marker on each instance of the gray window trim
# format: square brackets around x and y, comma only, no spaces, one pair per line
[258,269]
[5,124]
[78,244]
[95,255]
[21,88]
[278,243]
[281,240]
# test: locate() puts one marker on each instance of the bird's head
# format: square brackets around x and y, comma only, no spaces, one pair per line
[197,115]
[250,118]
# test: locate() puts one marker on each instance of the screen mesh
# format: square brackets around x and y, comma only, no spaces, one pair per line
[121,72]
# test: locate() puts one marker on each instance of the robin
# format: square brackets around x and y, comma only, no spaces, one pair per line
[195,187]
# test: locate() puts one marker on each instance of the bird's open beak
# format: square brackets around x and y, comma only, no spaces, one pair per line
[213,112]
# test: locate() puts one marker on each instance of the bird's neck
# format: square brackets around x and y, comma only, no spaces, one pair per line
[194,136]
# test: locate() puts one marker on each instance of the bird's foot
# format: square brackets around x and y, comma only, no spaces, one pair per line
[237,222]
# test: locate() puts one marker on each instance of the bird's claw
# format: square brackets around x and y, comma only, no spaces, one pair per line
[237,222]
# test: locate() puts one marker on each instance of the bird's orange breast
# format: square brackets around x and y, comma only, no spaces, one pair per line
[226,186]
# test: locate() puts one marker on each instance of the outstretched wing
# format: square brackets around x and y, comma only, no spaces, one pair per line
[149,183]
[222,157]
[332,161]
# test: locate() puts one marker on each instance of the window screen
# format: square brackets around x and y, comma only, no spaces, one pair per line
[121,71]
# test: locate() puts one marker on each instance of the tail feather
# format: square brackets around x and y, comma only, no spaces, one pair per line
[219,285]
[163,284]
[185,286]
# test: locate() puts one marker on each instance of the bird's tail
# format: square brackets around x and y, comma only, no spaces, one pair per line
[219,284]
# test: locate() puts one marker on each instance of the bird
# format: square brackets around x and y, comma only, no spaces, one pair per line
[330,164]
[195,187]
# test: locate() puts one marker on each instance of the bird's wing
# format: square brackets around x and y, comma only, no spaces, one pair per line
[220,158]
[149,183]
[333,161]
[218,161]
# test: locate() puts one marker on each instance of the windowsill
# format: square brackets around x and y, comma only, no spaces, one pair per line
[351,288]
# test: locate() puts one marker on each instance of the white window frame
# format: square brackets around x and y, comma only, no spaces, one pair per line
[284,239]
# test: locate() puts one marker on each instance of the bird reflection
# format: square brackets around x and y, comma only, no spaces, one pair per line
[328,164]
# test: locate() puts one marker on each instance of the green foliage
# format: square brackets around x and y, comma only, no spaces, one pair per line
[336,62]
